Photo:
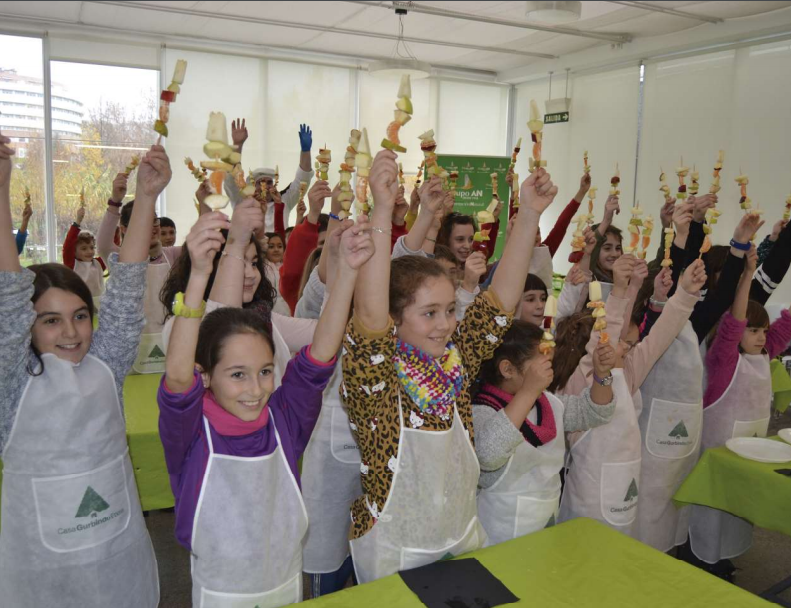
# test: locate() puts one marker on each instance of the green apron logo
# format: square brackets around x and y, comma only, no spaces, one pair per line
[91,504]
[631,493]
[679,431]
[156,352]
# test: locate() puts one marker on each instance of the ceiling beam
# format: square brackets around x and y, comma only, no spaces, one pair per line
[316,28]
[668,11]
[413,7]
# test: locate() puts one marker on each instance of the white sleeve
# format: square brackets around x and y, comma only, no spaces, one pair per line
[569,299]
[297,333]
[400,250]
[291,196]
[310,304]
[463,299]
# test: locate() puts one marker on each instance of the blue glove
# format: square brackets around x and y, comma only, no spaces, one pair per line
[305,138]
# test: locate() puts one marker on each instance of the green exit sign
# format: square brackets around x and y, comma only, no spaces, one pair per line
[550,119]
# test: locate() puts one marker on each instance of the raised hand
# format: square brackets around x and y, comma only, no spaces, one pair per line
[682,217]
[622,270]
[401,207]
[449,203]
[205,240]
[357,246]
[432,196]
[666,213]
[203,191]
[383,179]
[239,132]
[301,209]
[274,193]
[319,191]
[27,213]
[538,375]
[80,215]
[498,209]
[603,360]
[305,138]
[537,191]
[585,185]
[777,229]
[639,273]
[663,282]
[120,184]
[694,277]
[153,173]
[751,260]
[612,206]
[474,269]
[701,204]
[576,276]
[414,200]
[747,227]
[590,241]
[247,220]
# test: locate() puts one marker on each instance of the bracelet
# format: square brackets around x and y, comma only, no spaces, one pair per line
[657,303]
[380,230]
[603,381]
[740,246]
[334,217]
[182,310]
[76,224]
[432,240]
[230,255]
[112,203]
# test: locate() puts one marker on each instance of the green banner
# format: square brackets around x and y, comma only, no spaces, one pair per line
[474,187]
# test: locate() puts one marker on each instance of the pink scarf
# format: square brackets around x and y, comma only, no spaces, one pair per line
[226,423]
[538,434]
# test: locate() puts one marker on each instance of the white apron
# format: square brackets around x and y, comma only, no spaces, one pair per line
[93,275]
[151,354]
[431,511]
[330,483]
[524,498]
[248,531]
[743,410]
[73,534]
[604,477]
[671,428]
[541,265]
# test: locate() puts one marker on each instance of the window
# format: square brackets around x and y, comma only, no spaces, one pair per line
[22,77]
[472,118]
[101,117]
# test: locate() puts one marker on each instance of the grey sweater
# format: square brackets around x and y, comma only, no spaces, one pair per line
[121,322]
[496,437]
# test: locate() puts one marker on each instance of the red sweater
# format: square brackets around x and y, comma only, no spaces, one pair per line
[558,232]
[70,248]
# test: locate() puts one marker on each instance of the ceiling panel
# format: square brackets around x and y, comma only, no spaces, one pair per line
[56,10]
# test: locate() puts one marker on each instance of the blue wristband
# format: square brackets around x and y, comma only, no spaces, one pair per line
[334,217]
[740,246]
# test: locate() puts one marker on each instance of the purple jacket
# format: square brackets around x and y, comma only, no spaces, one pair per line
[294,407]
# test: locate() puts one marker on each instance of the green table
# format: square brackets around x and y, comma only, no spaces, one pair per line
[578,563]
[781,385]
[752,490]
[145,448]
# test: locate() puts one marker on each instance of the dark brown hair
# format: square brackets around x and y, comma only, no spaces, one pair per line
[519,344]
[86,236]
[598,273]
[571,338]
[757,315]
[179,276]
[56,276]
[310,264]
[220,325]
[441,252]
[407,274]
[448,223]
[126,213]
[534,283]
[715,261]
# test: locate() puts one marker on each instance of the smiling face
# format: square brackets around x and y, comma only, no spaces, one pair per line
[63,325]
[531,307]
[460,241]
[610,251]
[243,378]
[252,275]
[167,235]
[275,249]
[430,320]
[85,250]
[753,340]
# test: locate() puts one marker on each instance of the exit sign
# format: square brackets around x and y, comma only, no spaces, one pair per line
[556,117]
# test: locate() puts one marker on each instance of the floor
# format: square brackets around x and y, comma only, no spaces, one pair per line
[767,562]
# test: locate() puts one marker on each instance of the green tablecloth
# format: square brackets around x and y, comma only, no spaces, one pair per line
[781,385]
[746,488]
[145,448]
[578,563]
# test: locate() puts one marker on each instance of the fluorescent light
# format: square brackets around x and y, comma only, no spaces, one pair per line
[109,147]
[396,67]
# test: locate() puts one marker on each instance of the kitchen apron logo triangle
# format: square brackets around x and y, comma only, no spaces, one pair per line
[679,431]
[631,493]
[91,504]
[156,352]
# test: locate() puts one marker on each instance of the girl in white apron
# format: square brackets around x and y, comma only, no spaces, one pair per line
[407,371]
[232,450]
[519,428]
[604,476]
[73,533]
[737,403]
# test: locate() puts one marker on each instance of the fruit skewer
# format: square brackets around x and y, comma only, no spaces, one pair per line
[167,97]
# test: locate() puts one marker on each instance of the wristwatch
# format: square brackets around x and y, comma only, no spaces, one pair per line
[603,381]
[182,310]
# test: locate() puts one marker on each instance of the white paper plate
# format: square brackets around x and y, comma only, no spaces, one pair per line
[759,449]
[785,435]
